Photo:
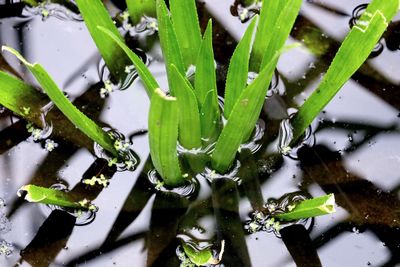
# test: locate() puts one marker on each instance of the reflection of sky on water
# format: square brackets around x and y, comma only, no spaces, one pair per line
[61,49]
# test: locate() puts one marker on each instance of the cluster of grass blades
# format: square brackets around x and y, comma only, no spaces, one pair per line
[189,112]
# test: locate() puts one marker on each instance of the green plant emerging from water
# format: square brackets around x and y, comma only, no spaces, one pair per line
[189,112]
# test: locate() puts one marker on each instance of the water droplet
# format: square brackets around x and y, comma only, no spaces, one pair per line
[355,230]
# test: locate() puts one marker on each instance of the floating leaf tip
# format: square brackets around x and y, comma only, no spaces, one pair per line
[15,53]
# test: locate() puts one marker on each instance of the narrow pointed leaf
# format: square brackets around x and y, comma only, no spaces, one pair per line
[269,14]
[163,137]
[145,75]
[236,79]
[277,37]
[95,14]
[19,97]
[310,208]
[187,28]
[80,120]
[189,116]
[205,78]
[139,8]
[210,119]
[243,119]
[169,42]
[350,54]
[48,196]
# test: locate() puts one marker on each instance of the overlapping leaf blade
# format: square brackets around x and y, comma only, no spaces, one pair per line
[139,8]
[95,14]
[206,85]
[189,116]
[269,14]
[277,37]
[236,79]
[80,120]
[187,28]
[169,42]
[243,118]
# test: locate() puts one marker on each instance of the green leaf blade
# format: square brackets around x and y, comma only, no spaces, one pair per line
[163,137]
[351,55]
[310,208]
[189,116]
[139,8]
[169,42]
[206,86]
[95,14]
[210,119]
[243,119]
[145,75]
[187,28]
[80,120]
[277,37]
[236,79]
[269,13]
[48,196]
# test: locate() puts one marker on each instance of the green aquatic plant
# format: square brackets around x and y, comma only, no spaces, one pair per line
[309,208]
[350,56]
[48,196]
[200,121]
[86,125]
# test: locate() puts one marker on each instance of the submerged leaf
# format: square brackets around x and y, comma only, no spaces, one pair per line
[163,137]
[37,194]
[310,208]
[80,120]
[200,257]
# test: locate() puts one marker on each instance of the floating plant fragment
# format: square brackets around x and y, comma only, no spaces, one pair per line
[309,208]
[37,194]
[202,257]
[80,120]
[6,248]
[50,145]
